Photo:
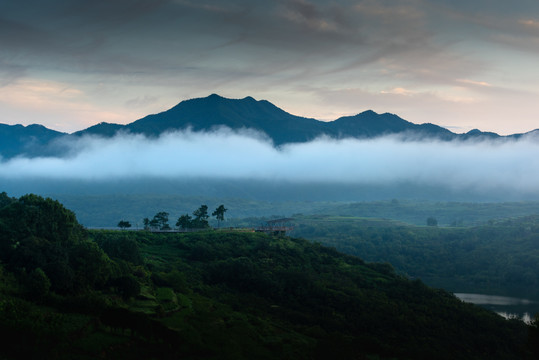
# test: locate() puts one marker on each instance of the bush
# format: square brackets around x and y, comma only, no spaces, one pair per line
[38,284]
[127,286]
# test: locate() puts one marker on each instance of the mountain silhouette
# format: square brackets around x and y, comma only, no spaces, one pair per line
[369,124]
[32,140]
[210,113]
[206,114]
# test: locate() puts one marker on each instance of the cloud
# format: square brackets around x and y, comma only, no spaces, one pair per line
[398,91]
[10,72]
[164,37]
[483,166]
[141,102]
[304,13]
[533,24]
[474,82]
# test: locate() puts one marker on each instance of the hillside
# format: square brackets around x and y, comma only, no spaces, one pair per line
[218,295]
[498,258]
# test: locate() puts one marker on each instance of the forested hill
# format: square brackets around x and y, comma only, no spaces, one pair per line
[69,293]
[203,114]
[500,257]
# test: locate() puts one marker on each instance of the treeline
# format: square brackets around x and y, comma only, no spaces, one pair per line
[198,221]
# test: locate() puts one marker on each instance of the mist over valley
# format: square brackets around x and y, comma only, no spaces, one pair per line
[237,148]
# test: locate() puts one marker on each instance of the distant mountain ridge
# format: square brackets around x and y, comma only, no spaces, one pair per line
[32,140]
[205,114]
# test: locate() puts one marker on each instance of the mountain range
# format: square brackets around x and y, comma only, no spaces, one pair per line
[205,114]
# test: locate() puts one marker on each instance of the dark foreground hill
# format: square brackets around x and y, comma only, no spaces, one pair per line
[66,293]
[214,111]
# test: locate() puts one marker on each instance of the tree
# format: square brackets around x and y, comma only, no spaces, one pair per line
[43,239]
[124,224]
[127,286]
[5,200]
[431,221]
[146,223]
[184,222]
[533,335]
[38,284]
[154,224]
[201,217]
[33,215]
[92,268]
[160,221]
[123,248]
[219,214]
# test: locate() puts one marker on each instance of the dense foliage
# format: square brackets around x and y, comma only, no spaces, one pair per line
[498,258]
[219,295]
[318,301]
[40,236]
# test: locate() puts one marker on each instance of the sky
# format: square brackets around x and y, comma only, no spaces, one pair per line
[69,64]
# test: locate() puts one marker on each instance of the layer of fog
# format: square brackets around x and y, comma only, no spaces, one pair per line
[508,165]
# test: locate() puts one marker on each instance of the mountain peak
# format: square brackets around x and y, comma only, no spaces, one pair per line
[369,113]
[474,132]
[214,111]
[217,96]
[218,99]
[212,98]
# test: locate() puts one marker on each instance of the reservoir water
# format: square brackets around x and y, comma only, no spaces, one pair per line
[506,306]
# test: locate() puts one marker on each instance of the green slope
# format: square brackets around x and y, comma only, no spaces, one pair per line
[500,257]
[218,295]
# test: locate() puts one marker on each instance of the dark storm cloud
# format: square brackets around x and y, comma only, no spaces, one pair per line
[500,22]
[10,72]
[165,39]
[158,34]
[143,35]
[69,35]
[14,35]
